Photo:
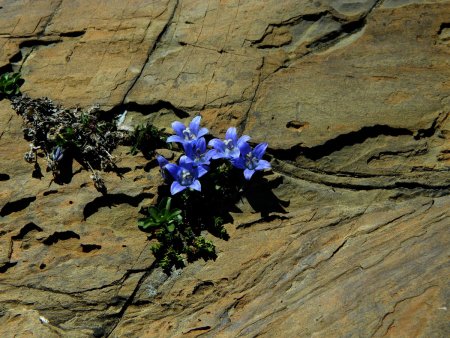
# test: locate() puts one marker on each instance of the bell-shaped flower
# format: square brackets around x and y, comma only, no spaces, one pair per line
[185,175]
[187,134]
[196,152]
[57,154]
[162,162]
[230,147]
[251,160]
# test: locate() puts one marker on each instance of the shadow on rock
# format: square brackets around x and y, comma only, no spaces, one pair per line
[260,196]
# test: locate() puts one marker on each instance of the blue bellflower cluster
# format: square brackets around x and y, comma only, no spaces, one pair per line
[197,158]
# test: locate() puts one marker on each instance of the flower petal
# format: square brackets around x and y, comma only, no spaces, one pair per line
[238,163]
[196,185]
[202,132]
[208,155]
[244,148]
[214,154]
[217,144]
[259,150]
[176,187]
[175,138]
[186,159]
[201,145]
[178,128]
[243,139]
[248,174]
[231,134]
[189,149]
[162,161]
[234,153]
[263,164]
[173,169]
[183,162]
[194,126]
[201,170]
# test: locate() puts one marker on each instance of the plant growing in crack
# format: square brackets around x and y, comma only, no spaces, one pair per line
[205,186]
[161,216]
[146,138]
[60,135]
[10,84]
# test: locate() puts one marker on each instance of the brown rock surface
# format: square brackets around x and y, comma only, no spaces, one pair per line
[353,98]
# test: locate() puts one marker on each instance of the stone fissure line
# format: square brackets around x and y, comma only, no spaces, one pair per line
[336,251]
[259,80]
[152,49]
[50,19]
[309,176]
[348,271]
[347,29]
[41,34]
[396,304]
[345,241]
[130,299]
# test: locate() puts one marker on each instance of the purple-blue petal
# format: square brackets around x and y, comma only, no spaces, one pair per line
[238,163]
[175,138]
[162,161]
[248,174]
[201,144]
[201,170]
[185,159]
[196,185]
[183,162]
[231,134]
[244,148]
[217,144]
[172,169]
[57,154]
[189,149]
[214,154]
[194,126]
[259,150]
[178,128]
[176,187]
[189,166]
[203,162]
[209,155]
[263,164]
[202,132]
[234,153]
[243,139]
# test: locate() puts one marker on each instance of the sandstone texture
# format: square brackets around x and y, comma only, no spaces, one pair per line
[352,236]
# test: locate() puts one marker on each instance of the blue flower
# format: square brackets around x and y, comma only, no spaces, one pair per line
[230,147]
[196,152]
[162,161]
[185,175]
[57,154]
[250,160]
[187,134]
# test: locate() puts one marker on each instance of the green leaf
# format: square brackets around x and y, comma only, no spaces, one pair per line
[153,213]
[10,83]
[169,201]
[145,223]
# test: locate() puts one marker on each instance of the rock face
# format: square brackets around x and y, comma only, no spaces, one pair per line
[353,99]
